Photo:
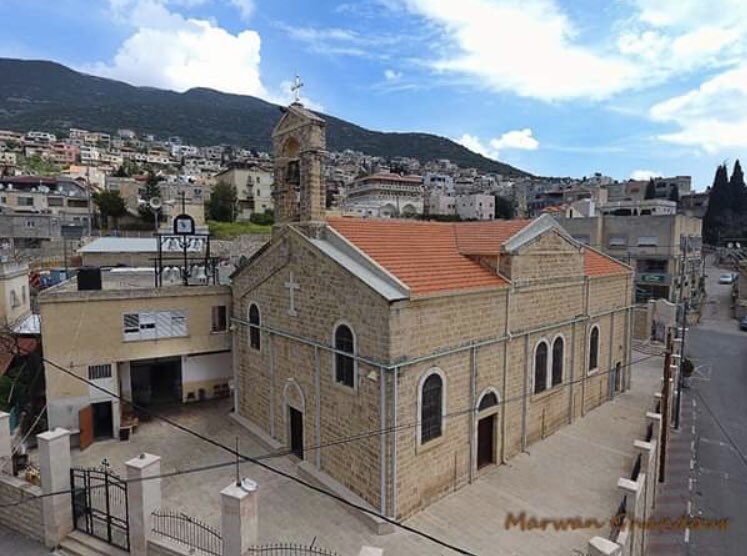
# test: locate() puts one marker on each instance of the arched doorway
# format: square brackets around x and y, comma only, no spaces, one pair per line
[487,428]
[295,405]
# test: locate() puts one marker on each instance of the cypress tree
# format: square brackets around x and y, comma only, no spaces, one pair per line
[738,190]
[650,189]
[718,205]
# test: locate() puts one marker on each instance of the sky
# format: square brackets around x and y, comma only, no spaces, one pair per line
[628,88]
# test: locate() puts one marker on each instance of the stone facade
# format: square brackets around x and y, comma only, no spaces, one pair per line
[481,342]
[25,518]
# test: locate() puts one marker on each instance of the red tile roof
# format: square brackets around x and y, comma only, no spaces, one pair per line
[596,264]
[430,257]
[423,255]
[486,238]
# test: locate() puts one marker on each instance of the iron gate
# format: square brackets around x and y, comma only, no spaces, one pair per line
[100,505]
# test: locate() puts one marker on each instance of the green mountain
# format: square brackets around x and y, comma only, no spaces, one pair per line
[46,96]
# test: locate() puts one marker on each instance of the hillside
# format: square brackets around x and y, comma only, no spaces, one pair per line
[48,96]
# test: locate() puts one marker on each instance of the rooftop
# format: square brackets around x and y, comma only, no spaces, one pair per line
[437,257]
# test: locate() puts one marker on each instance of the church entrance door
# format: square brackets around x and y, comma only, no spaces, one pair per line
[296,432]
[485,441]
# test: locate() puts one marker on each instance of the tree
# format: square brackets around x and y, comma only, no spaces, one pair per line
[151,190]
[111,204]
[650,189]
[504,207]
[719,207]
[222,203]
[737,189]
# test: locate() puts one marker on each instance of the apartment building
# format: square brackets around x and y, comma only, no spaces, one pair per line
[385,195]
[663,248]
[152,346]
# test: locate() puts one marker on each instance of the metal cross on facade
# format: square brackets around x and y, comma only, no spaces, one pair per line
[292,286]
[296,88]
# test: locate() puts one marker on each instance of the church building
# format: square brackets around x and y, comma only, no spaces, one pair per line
[400,359]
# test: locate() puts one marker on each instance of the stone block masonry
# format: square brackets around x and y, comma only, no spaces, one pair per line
[25,518]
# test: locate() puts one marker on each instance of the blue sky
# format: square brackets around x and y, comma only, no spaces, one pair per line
[625,87]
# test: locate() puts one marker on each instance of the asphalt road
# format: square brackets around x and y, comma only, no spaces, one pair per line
[717,402]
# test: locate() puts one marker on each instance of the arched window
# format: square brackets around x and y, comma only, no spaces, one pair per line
[344,364]
[488,400]
[255,338]
[557,361]
[431,409]
[540,368]
[594,348]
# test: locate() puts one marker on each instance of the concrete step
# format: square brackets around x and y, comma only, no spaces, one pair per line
[80,544]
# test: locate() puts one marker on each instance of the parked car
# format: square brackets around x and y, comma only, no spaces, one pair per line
[743,324]
[726,278]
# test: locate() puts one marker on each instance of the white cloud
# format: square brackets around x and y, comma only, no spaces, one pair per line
[391,75]
[171,51]
[245,8]
[474,144]
[644,175]
[521,139]
[711,117]
[526,47]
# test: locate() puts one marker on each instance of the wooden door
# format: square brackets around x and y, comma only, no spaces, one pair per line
[485,441]
[85,419]
[296,432]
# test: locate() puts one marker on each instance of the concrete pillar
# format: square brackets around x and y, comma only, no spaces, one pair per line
[632,491]
[143,498]
[239,506]
[599,546]
[54,464]
[6,451]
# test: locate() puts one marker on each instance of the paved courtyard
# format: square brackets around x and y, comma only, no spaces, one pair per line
[572,473]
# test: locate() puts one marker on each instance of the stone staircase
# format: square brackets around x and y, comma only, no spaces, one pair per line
[80,544]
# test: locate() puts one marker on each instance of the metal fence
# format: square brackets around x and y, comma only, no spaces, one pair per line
[617,521]
[290,549]
[636,469]
[187,530]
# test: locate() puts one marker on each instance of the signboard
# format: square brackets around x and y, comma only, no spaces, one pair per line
[184,225]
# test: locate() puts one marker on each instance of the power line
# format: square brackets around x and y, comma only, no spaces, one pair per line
[258,459]
[273,469]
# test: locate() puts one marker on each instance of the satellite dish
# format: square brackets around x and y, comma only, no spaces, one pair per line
[155,203]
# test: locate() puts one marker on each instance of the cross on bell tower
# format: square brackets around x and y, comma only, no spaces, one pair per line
[296,89]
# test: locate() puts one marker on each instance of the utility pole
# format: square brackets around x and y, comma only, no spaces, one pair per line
[665,407]
[681,328]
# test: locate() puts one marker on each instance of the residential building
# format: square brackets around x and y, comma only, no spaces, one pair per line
[661,247]
[475,207]
[15,295]
[695,203]
[385,195]
[253,183]
[151,346]
[469,340]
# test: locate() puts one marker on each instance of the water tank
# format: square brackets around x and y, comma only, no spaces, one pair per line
[89,278]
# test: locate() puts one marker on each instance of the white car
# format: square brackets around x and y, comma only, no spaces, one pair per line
[726,279]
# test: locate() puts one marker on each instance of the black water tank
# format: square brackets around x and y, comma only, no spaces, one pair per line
[89,278]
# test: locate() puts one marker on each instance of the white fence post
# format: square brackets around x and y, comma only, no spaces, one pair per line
[54,464]
[6,452]
[239,505]
[143,498]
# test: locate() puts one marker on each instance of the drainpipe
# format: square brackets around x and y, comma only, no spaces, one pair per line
[394,443]
[525,396]
[271,345]
[382,441]
[470,414]
[507,334]
[318,409]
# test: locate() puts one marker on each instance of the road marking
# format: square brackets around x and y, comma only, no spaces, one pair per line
[690,484]
[692,446]
[694,404]
[689,508]
[692,429]
[687,535]
[692,464]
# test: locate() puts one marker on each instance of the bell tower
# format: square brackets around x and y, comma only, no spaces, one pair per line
[299,147]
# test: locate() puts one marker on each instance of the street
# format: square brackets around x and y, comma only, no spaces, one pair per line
[706,468]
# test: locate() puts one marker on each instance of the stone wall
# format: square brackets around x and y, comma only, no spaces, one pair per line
[165,547]
[286,372]
[25,518]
